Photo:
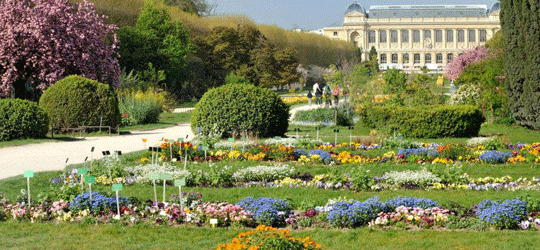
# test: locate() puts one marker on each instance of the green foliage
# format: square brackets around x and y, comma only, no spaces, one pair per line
[136,110]
[78,101]
[395,81]
[322,115]
[493,97]
[155,47]
[425,122]
[519,22]
[245,52]
[233,78]
[241,109]
[22,119]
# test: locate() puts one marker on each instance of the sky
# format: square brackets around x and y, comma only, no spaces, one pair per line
[314,14]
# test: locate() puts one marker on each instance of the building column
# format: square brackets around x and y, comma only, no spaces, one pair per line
[443,31]
[411,37]
[388,36]
[399,38]
[455,38]
[466,31]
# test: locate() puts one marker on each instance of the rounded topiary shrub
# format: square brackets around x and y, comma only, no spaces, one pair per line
[241,110]
[77,101]
[21,119]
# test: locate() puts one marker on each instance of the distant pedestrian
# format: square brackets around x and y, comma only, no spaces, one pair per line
[327,92]
[318,94]
[309,96]
[346,93]
[336,92]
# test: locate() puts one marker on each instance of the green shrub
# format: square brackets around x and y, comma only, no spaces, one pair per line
[21,119]
[143,107]
[78,101]
[323,115]
[425,121]
[240,110]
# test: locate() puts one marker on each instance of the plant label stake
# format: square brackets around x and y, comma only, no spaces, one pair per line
[165,177]
[28,175]
[296,130]
[171,142]
[351,128]
[116,188]
[154,177]
[213,222]
[318,129]
[82,172]
[65,164]
[244,139]
[179,183]
[336,131]
[90,180]
[204,148]
[92,159]
[232,143]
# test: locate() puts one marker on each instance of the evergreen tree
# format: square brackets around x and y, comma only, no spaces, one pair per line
[519,22]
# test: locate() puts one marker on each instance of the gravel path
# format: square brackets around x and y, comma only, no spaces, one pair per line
[50,156]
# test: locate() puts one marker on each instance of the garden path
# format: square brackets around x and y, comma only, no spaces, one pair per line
[51,156]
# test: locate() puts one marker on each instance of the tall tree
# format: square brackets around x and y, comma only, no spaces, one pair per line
[44,41]
[158,40]
[519,22]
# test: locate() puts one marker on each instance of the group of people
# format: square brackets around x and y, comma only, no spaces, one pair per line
[325,94]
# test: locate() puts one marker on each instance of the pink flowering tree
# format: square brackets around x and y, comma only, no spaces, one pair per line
[456,67]
[42,41]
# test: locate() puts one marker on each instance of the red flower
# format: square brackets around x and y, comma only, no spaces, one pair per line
[125,115]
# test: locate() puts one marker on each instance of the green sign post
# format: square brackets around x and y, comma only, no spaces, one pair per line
[90,180]
[179,183]
[28,175]
[116,188]
[153,177]
[82,172]
[165,177]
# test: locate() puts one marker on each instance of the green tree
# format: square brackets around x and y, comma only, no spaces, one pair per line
[198,7]
[395,85]
[519,23]
[158,40]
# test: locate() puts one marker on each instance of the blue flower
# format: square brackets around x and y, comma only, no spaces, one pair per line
[502,215]
[267,211]
[494,157]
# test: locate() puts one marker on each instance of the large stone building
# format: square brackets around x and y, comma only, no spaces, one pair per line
[410,37]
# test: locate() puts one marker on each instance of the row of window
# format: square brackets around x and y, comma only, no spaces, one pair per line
[416,58]
[427,34]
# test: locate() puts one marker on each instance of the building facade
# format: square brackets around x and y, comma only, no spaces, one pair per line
[410,37]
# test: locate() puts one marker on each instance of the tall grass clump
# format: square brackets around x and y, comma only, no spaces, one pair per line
[142,107]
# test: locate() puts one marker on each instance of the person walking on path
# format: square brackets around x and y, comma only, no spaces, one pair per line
[318,93]
[336,92]
[327,92]
[309,96]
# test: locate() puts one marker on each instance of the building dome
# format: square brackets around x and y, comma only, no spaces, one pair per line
[496,7]
[355,7]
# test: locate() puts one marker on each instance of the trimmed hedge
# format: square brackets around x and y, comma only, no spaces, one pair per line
[22,119]
[241,109]
[425,121]
[323,115]
[77,101]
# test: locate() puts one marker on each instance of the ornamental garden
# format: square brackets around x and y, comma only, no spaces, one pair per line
[391,161]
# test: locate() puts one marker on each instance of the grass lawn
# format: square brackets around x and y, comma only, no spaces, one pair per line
[25,235]
[165,120]
[506,133]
